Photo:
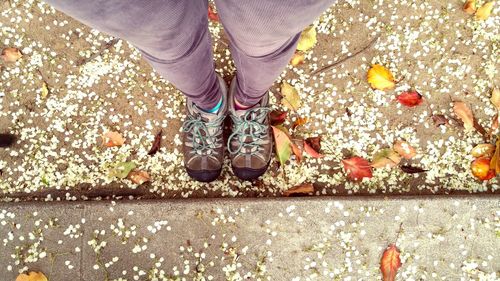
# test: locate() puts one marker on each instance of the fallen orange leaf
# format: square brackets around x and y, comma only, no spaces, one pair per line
[11,54]
[390,263]
[111,139]
[138,177]
[404,149]
[299,122]
[300,189]
[470,7]
[481,169]
[31,276]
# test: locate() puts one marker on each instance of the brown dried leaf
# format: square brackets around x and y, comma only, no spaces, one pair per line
[138,177]
[304,188]
[110,139]
[494,125]
[495,98]
[412,169]
[404,149]
[495,160]
[156,143]
[463,111]
[439,119]
[11,54]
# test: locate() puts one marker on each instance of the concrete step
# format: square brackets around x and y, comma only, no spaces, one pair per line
[341,238]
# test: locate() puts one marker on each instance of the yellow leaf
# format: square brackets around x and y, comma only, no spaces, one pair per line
[484,149]
[291,98]
[495,98]
[385,158]
[381,78]
[307,39]
[32,276]
[45,90]
[111,139]
[495,160]
[463,111]
[470,7]
[283,145]
[484,11]
[297,59]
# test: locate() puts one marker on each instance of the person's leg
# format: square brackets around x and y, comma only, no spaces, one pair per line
[263,36]
[172,35]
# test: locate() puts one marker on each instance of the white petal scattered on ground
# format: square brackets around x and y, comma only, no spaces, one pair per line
[438,49]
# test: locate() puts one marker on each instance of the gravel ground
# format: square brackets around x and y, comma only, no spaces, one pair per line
[97,84]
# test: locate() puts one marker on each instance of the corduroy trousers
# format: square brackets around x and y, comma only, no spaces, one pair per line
[173,37]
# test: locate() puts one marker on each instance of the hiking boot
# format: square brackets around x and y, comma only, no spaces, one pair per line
[250,145]
[203,142]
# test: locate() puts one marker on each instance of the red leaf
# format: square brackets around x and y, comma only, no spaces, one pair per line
[277,117]
[390,263]
[212,15]
[357,168]
[296,150]
[410,98]
[314,143]
[311,151]
[312,146]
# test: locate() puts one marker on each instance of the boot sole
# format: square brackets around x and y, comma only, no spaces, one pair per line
[249,174]
[204,175]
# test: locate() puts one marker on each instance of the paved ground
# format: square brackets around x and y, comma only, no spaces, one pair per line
[440,238]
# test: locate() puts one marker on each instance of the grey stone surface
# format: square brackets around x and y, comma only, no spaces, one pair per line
[342,238]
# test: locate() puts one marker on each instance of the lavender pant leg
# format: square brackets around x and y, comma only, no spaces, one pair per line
[263,36]
[172,35]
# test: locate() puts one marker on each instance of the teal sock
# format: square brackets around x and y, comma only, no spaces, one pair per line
[216,108]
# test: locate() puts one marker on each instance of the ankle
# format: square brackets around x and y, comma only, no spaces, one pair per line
[239,106]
